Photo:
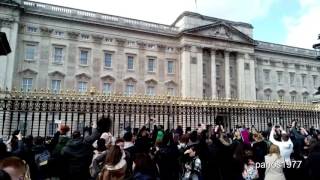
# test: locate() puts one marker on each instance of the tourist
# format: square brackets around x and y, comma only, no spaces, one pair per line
[16,168]
[285,145]
[192,168]
[115,165]
[274,164]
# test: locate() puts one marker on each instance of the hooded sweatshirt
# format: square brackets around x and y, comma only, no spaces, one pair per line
[286,147]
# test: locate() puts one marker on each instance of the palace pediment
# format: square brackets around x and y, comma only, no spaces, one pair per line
[220,30]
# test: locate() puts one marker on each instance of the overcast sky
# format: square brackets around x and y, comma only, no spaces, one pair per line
[291,22]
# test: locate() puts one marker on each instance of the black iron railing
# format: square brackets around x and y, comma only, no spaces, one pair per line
[37,112]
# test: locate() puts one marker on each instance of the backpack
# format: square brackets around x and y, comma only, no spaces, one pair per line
[42,158]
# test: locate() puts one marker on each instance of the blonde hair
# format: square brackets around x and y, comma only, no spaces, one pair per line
[274,149]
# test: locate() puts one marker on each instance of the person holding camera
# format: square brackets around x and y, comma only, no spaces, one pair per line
[285,145]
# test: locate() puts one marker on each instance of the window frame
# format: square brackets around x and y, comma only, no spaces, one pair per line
[152,92]
[129,93]
[80,57]
[27,47]
[153,59]
[104,88]
[105,60]
[173,66]
[54,60]
[130,57]
[23,85]
[54,89]
[83,83]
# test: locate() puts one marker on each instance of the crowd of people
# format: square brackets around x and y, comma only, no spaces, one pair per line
[154,153]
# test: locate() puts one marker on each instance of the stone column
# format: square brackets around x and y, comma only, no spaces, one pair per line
[240,76]
[213,75]
[199,80]
[185,71]
[252,78]
[9,27]
[227,74]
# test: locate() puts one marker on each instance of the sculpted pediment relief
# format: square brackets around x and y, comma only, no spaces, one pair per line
[221,31]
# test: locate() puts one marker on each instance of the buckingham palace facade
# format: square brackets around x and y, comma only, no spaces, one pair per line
[198,56]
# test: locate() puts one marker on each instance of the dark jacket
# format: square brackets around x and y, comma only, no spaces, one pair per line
[77,156]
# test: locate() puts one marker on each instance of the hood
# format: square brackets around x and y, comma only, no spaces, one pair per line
[76,148]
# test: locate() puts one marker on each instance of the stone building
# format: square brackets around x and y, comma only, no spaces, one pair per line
[58,48]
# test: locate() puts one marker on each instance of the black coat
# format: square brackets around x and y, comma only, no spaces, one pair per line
[77,156]
[312,166]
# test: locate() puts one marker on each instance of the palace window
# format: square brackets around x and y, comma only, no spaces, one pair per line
[107,88]
[84,54]
[84,36]
[59,33]
[303,80]
[170,66]
[293,98]
[305,98]
[292,78]
[280,77]
[170,91]
[55,85]
[268,97]
[151,65]
[315,79]
[218,71]
[129,89]
[266,73]
[108,60]
[82,86]
[58,55]
[150,91]
[30,52]
[130,63]
[32,29]
[26,84]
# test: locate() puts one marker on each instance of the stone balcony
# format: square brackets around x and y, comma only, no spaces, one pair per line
[93,17]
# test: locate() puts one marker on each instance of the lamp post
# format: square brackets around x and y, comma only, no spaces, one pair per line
[316,47]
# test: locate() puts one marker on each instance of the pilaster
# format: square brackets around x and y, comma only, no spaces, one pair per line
[227,73]
[213,74]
